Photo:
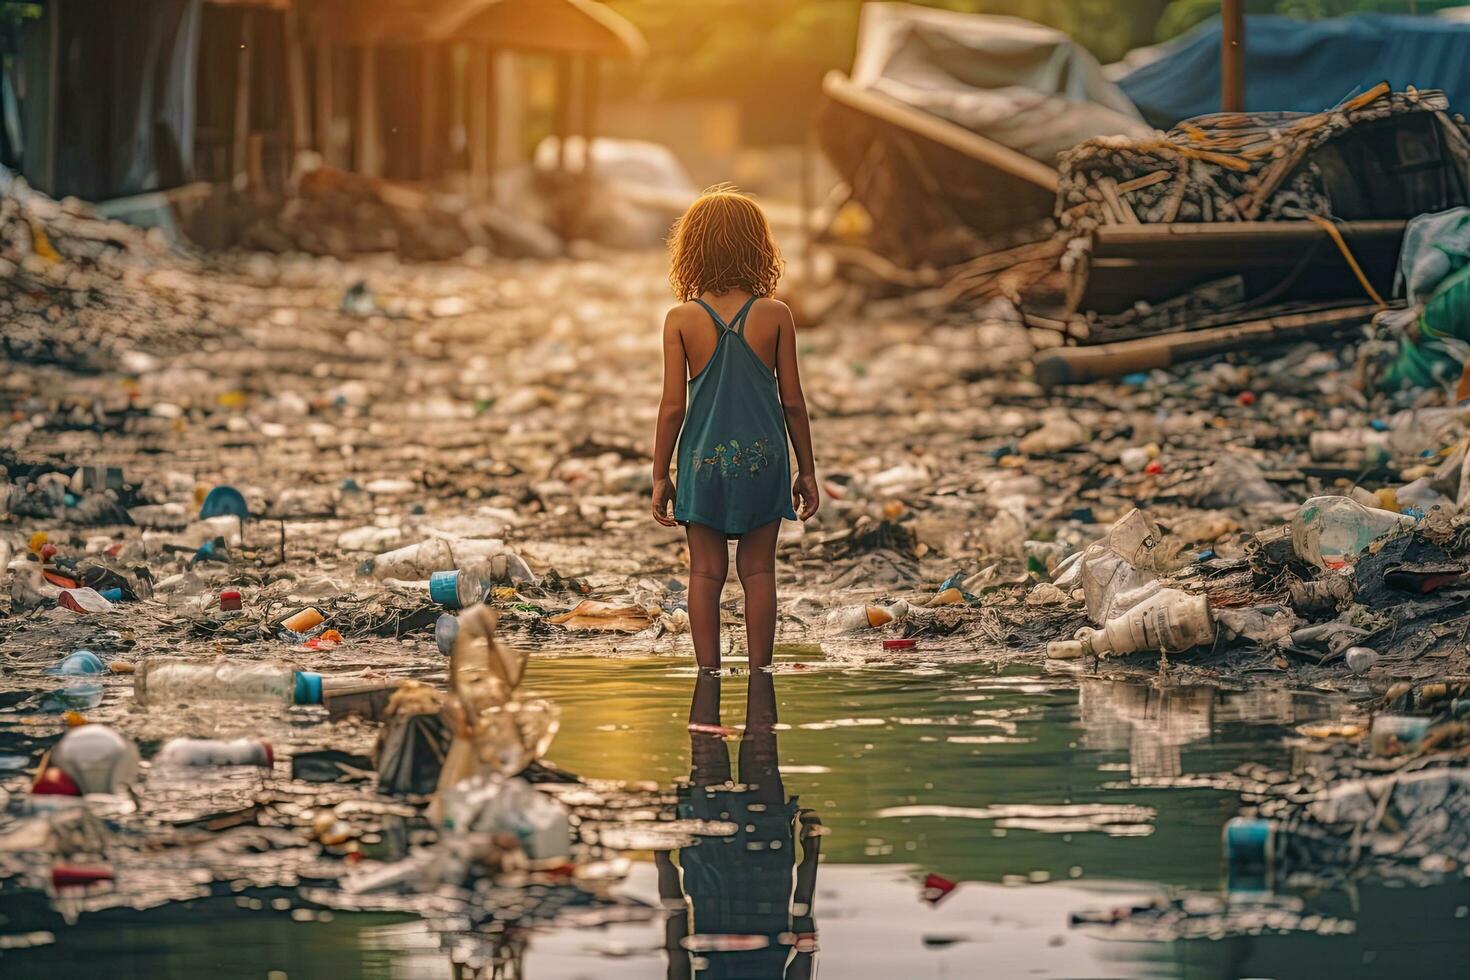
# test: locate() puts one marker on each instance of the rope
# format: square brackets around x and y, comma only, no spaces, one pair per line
[1342,246]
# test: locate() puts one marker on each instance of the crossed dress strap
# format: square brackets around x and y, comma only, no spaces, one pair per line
[738,321]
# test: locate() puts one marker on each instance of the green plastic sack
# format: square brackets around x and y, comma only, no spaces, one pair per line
[1429,361]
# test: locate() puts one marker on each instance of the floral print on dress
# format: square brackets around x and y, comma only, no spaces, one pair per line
[733,459]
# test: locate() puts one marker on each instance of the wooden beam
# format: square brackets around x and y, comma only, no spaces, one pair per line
[369,154]
[240,148]
[1232,56]
[840,88]
[1078,365]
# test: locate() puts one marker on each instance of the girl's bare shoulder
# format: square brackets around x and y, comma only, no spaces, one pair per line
[772,309]
[681,316]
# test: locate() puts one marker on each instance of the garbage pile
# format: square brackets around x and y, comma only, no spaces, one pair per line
[341,214]
[86,293]
[1234,167]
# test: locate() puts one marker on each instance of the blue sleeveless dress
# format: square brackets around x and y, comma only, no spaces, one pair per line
[734,471]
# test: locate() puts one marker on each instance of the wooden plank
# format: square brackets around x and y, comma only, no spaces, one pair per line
[1078,365]
[840,88]
[239,151]
[1229,232]
[430,131]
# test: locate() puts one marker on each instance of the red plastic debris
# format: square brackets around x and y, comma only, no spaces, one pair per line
[229,600]
[1246,398]
[937,888]
[51,781]
[1154,467]
[59,580]
[48,552]
[899,644]
[79,875]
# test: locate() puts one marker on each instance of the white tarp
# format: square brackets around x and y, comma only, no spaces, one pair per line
[1025,86]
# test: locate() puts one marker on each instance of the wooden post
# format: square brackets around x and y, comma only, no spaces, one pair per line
[591,86]
[430,118]
[369,160]
[1232,56]
[492,118]
[239,163]
[53,94]
[477,98]
[296,83]
[326,143]
[565,96]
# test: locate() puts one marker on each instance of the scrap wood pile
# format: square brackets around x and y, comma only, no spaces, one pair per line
[1225,167]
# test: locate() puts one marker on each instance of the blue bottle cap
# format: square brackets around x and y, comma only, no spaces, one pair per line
[308,687]
[444,588]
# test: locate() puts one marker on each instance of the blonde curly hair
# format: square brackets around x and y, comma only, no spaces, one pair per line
[723,242]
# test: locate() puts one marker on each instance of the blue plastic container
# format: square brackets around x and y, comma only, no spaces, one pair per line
[1250,842]
[112,595]
[444,588]
[308,687]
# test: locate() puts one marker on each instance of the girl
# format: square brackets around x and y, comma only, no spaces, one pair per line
[736,348]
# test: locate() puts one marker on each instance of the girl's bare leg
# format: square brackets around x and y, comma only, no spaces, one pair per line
[755,563]
[709,565]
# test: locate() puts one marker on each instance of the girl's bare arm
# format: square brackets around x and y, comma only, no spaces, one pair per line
[805,497]
[671,409]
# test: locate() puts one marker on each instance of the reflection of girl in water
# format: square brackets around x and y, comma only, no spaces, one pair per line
[750,920]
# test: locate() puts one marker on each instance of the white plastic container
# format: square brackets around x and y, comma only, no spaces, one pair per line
[419,561]
[182,753]
[1169,621]
[97,758]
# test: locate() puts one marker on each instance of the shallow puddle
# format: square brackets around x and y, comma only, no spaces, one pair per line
[964,814]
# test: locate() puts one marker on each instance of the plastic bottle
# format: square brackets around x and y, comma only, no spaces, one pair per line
[79,662]
[1397,734]
[1369,443]
[417,562]
[466,586]
[165,680]
[212,752]
[1250,842]
[1170,621]
[97,759]
[446,628]
[1332,531]
[855,619]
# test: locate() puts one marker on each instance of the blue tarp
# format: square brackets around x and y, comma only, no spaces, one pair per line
[1305,66]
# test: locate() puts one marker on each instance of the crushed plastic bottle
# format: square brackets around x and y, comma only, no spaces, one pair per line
[855,619]
[1169,621]
[506,734]
[214,752]
[496,804]
[167,680]
[96,758]
[1331,531]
